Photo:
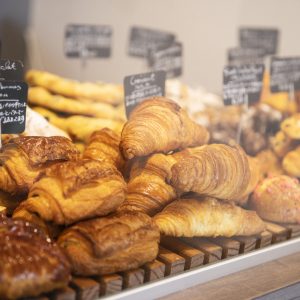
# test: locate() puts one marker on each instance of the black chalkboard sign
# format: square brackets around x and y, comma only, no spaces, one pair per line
[242,84]
[263,38]
[285,74]
[168,59]
[244,56]
[88,41]
[142,39]
[13,101]
[11,69]
[143,86]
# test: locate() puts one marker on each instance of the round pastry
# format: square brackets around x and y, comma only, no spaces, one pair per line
[29,263]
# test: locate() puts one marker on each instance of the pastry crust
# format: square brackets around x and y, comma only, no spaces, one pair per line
[214,170]
[281,144]
[291,127]
[74,191]
[207,217]
[277,199]
[111,244]
[30,264]
[23,159]
[39,96]
[291,163]
[106,93]
[160,125]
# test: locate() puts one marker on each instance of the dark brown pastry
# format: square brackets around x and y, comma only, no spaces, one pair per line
[29,263]
[111,244]
[23,159]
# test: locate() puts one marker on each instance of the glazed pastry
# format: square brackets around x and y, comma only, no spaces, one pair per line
[291,127]
[269,163]
[277,199]
[207,217]
[74,191]
[281,144]
[160,125]
[103,146]
[106,93]
[291,163]
[30,264]
[23,159]
[214,170]
[80,127]
[111,244]
[39,96]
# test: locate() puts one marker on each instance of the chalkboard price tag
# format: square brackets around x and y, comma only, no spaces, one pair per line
[244,56]
[88,41]
[142,39]
[168,59]
[242,84]
[13,102]
[285,73]
[11,69]
[143,86]
[263,38]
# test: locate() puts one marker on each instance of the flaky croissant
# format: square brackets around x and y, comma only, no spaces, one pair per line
[160,125]
[214,170]
[111,244]
[23,159]
[207,217]
[73,191]
[29,263]
[277,199]
[106,93]
[103,146]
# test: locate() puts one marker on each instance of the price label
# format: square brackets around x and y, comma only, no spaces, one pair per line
[244,56]
[143,86]
[11,69]
[142,39]
[262,38]
[242,84]
[167,59]
[285,74]
[13,102]
[88,41]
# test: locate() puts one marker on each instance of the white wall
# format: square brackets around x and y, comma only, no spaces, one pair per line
[206,27]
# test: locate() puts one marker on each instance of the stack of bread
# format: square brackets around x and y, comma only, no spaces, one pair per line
[103,211]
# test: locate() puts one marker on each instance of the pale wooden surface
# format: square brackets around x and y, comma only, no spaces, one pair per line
[247,284]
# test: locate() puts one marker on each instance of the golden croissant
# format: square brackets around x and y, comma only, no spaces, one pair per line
[277,199]
[207,217]
[106,93]
[110,244]
[30,264]
[103,146]
[23,159]
[73,191]
[215,170]
[160,125]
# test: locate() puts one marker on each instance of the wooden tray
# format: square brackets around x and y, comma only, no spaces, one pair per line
[176,256]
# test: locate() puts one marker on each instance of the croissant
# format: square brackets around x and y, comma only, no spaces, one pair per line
[80,127]
[214,170]
[29,263]
[73,191]
[103,146]
[111,244]
[277,199]
[160,125]
[23,159]
[207,217]
[39,96]
[291,163]
[106,93]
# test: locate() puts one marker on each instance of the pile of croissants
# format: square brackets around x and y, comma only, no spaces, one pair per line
[103,211]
